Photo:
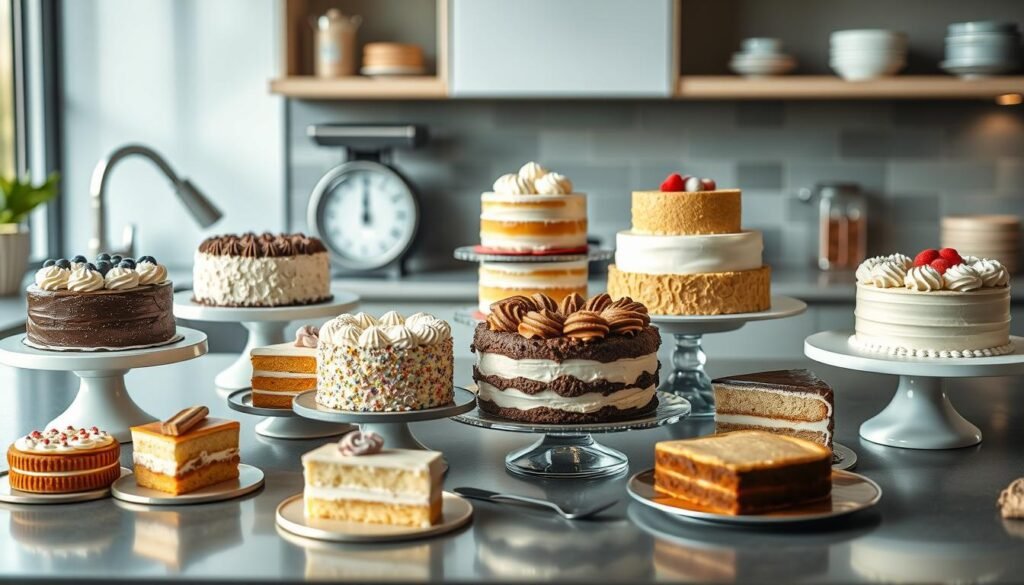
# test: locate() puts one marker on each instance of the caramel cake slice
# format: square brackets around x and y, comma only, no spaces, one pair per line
[185,453]
[789,402]
[744,472]
[282,371]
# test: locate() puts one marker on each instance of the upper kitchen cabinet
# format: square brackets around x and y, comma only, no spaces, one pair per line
[563,48]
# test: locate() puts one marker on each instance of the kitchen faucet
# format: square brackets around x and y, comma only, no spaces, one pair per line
[200,207]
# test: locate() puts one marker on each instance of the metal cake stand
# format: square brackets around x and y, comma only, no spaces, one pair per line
[569,450]
[284,423]
[393,426]
[265,325]
[102,398]
[688,378]
[920,415]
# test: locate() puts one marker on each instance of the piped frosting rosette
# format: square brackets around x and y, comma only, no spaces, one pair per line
[533,179]
[933,270]
[107,272]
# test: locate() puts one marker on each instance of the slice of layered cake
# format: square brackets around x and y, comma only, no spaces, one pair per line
[744,472]
[185,453]
[789,402]
[282,371]
[358,480]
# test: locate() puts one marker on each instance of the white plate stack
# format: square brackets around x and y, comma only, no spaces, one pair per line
[862,54]
[979,49]
[985,236]
[761,57]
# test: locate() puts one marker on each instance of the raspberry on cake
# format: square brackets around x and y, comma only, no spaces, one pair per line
[938,305]
[72,460]
[261,271]
[390,364]
[113,303]
[282,371]
[569,362]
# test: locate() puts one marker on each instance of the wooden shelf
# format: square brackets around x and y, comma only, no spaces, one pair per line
[827,87]
[358,88]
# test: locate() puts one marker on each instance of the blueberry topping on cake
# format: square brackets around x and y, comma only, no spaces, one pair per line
[64,263]
[50,262]
[91,266]
[79,259]
[149,259]
[115,259]
[103,256]
[103,266]
[127,263]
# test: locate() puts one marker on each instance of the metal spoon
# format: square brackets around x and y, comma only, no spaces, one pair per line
[489,496]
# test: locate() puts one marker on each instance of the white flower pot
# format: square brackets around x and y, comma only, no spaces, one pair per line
[14,249]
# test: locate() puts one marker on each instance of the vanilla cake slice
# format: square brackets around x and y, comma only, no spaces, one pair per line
[281,372]
[205,455]
[391,486]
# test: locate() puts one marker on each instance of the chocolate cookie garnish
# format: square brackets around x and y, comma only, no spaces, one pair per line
[570,304]
[542,324]
[543,301]
[623,321]
[506,314]
[585,325]
[598,303]
[631,305]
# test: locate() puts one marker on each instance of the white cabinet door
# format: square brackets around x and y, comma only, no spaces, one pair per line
[562,48]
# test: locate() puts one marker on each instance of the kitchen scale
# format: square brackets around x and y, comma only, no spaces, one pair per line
[365,210]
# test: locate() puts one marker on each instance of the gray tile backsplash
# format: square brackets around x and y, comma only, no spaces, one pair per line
[918,160]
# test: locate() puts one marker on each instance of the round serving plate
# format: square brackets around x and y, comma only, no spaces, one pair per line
[284,423]
[851,493]
[249,480]
[470,254]
[456,512]
[781,307]
[843,457]
[12,496]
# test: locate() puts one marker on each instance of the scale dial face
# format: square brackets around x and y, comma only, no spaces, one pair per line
[365,213]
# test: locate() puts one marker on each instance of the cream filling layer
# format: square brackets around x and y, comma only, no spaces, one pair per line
[585,403]
[279,392]
[533,208]
[64,473]
[171,468]
[533,275]
[622,371]
[820,426]
[528,243]
[695,254]
[273,374]
[335,493]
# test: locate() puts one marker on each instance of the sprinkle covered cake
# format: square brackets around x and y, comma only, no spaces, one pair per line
[571,362]
[390,364]
[72,460]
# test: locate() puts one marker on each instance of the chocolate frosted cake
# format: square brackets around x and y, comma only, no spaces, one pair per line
[111,303]
[261,271]
[573,362]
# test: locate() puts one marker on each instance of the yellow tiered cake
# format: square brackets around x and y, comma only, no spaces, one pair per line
[686,253]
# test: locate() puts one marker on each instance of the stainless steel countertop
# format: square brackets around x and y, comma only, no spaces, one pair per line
[936,521]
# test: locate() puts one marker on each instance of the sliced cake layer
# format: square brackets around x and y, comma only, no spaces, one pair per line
[282,371]
[206,454]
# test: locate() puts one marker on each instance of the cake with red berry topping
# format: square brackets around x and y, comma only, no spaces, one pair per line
[937,305]
[686,253]
[58,462]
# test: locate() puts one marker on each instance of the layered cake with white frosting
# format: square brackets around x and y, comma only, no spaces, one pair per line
[185,453]
[570,362]
[261,271]
[110,303]
[936,305]
[686,253]
[390,364]
[533,211]
[72,460]
[282,371]
[500,280]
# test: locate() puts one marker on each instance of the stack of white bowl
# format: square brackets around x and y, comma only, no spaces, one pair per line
[761,57]
[861,54]
[985,236]
[978,49]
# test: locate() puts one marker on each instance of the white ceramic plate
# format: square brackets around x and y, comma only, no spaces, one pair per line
[12,496]
[249,480]
[456,512]
[851,493]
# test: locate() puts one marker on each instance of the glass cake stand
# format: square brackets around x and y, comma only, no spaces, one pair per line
[569,450]
[265,325]
[688,378]
[284,423]
[920,415]
[102,398]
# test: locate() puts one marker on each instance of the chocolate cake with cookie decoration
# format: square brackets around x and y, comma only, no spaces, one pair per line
[263,270]
[110,303]
[578,361]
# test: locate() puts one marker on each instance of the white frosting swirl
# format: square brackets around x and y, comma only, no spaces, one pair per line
[442,327]
[901,259]
[512,184]
[888,274]
[962,277]
[553,184]
[121,279]
[419,318]
[992,273]
[307,336]
[400,336]
[532,171]
[425,333]
[70,439]
[391,318]
[970,260]
[364,320]
[864,270]
[85,280]
[52,278]
[150,273]
[345,319]
[923,278]
[343,334]
[373,337]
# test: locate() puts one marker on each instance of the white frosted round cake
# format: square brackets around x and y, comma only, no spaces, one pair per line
[937,305]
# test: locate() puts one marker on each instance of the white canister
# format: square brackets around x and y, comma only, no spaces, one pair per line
[334,45]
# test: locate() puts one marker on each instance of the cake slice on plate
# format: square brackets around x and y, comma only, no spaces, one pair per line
[282,371]
[789,402]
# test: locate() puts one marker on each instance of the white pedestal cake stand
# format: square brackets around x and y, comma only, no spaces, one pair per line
[265,324]
[920,415]
[688,378]
[102,399]
[284,423]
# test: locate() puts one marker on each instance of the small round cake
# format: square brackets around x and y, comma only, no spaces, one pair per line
[72,460]
[110,303]
[390,364]
[937,305]
[261,271]
[571,362]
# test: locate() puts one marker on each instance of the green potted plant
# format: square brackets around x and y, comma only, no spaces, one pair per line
[18,199]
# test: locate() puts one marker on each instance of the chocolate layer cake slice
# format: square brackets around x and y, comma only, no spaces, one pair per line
[744,472]
[789,402]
